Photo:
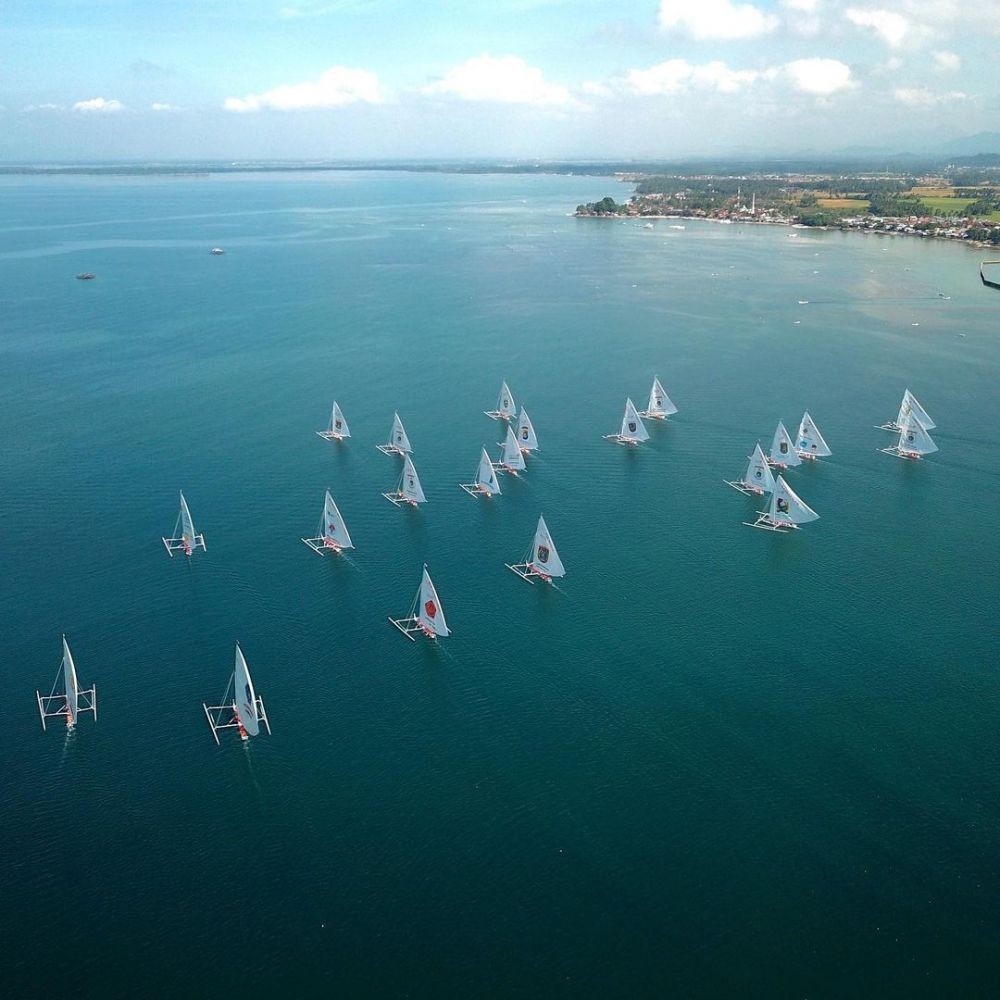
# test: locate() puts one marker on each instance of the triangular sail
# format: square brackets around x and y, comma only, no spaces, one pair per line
[759,473]
[810,440]
[430,614]
[338,425]
[486,476]
[243,692]
[187,524]
[786,506]
[512,457]
[409,483]
[914,438]
[505,402]
[71,684]
[782,448]
[910,406]
[526,432]
[633,429]
[659,402]
[397,436]
[544,557]
[332,526]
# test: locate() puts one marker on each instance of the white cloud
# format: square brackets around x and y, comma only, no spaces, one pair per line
[161,106]
[716,19]
[891,27]
[921,97]
[43,107]
[819,76]
[504,80]
[335,88]
[946,62]
[99,104]
[595,89]
[803,6]
[677,75]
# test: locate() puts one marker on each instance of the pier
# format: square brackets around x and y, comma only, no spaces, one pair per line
[982,273]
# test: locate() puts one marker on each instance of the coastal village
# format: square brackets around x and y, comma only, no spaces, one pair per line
[937,207]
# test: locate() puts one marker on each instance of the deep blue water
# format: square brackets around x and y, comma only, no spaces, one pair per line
[716,762]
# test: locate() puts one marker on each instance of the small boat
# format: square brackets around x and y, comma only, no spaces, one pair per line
[909,407]
[526,439]
[758,479]
[408,488]
[185,539]
[633,430]
[333,534]
[914,441]
[338,429]
[486,484]
[86,276]
[69,703]
[783,454]
[648,225]
[245,712]
[542,559]
[511,459]
[505,408]
[660,406]
[786,511]
[398,443]
[426,614]
[216,251]
[811,444]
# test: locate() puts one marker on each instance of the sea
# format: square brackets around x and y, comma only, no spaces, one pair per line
[710,762]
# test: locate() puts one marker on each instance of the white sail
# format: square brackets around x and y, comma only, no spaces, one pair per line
[505,403]
[544,557]
[910,406]
[526,432]
[338,425]
[787,507]
[243,692]
[332,526]
[633,429]
[810,441]
[397,436]
[486,476]
[187,525]
[758,474]
[782,448]
[660,404]
[430,614]
[409,483]
[512,457]
[71,684]
[913,438]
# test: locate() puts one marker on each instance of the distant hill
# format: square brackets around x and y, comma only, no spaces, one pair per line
[971,145]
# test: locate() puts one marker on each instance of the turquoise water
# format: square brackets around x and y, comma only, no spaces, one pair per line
[715,762]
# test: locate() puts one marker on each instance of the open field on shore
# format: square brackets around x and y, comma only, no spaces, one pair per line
[855,204]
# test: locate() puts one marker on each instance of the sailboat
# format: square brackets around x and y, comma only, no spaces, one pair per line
[542,559]
[783,454]
[333,534]
[810,443]
[426,614]
[186,539]
[338,429]
[69,703]
[511,459]
[914,441]
[408,488]
[398,443]
[526,439]
[660,406]
[786,511]
[486,484]
[633,430]
[245,712]
[909,407]
[505,409]
[758,479]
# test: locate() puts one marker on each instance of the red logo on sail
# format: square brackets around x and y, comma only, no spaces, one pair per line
[543,553]
[430,609]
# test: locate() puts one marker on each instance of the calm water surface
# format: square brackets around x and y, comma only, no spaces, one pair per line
[715,762]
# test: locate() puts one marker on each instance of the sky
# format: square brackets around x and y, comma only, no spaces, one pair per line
[88,80]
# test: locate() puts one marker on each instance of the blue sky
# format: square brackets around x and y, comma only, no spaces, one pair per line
[95,79]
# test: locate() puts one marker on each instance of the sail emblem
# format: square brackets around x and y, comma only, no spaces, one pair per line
[909,437]
[248,697]
[783,447]
[338,423]
[524,433]
[758,474]
[782,505]
[331,529]
[399,437]
[410,481]
[631,426]
[543,553]
[431,608]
